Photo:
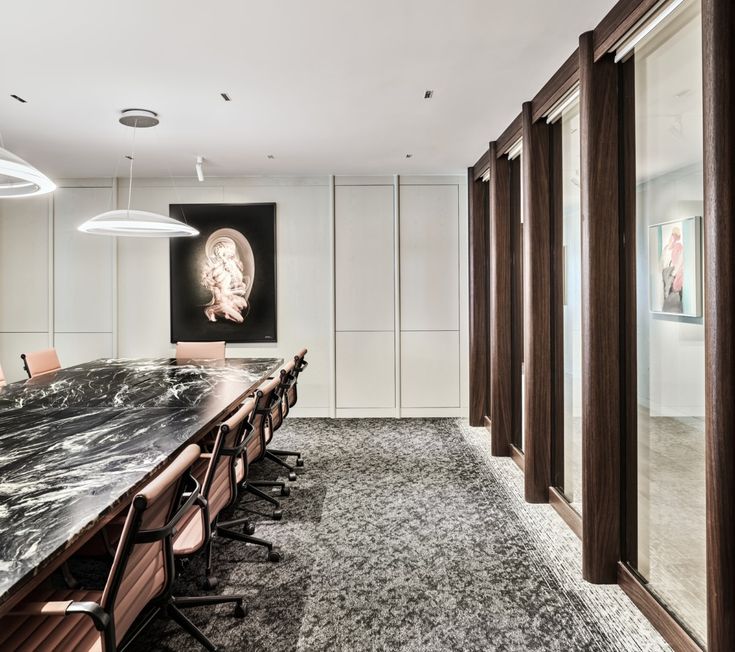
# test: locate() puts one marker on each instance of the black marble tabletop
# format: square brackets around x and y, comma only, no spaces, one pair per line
[75,444]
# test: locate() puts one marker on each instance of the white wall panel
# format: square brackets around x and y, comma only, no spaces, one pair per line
[364,258]
[76,348]
[429,247]
[365,370]
[12,345]
[303,269]
[83,291]
[143,274]
[430,369]
[24,256]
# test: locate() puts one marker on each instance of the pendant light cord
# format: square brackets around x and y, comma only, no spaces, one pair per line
[132,158]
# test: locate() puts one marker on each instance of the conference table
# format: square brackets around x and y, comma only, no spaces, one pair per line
[78,443]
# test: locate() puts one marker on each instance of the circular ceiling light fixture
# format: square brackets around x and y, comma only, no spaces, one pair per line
[129,222]
[20,179]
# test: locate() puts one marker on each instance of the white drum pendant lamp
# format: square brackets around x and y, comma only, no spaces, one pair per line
[129,222]
[20,179]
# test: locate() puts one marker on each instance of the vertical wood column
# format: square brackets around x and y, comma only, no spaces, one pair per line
[479,299]
[718,25]
[500,304]
[537,343]
[601,307]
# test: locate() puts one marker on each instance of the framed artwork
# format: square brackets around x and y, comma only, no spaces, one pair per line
[675,264]
[223,281]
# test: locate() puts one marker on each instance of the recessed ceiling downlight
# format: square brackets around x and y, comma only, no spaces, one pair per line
[129,222]
[21,179]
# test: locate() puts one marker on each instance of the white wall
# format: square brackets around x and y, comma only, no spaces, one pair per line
[346,255]
[670,348]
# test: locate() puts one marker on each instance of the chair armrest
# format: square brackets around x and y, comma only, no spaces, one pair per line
[57,608]
[98,615]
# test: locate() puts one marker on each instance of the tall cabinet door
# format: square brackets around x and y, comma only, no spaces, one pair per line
[364,297]
[429,267]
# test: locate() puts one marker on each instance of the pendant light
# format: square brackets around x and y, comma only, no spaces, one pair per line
[20,179]
[129,222]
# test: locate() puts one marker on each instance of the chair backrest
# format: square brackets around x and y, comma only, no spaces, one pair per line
[40,362]
[289,380]
[200,350]
[2,378]
[143,567]
[268,412]
[219,487]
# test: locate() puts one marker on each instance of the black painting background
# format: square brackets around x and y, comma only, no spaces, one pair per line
[257,222]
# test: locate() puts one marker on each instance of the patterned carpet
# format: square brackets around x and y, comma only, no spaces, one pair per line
[406,535]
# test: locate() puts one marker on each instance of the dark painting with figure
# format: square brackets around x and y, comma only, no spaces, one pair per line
[223,281]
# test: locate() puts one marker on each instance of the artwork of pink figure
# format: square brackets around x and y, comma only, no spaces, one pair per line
[672,267]
[227,273]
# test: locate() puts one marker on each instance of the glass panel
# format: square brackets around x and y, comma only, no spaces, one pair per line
[670,322]
[516,215]
[523,318]
[572,298]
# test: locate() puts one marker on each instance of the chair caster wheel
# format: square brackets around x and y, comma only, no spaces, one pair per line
[285,491]
[274,556]
[248,528]
[211,583]
[277,514]
[292,476]
[240,610]
[299,462]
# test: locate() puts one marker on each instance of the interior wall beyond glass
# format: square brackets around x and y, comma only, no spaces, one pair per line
[517,371]
[670,494]
[572,306]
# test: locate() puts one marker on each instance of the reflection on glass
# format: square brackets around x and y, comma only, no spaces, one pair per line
[670,323]
[572,298]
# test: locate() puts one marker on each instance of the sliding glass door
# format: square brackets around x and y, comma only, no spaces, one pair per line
[516,216]
[567,446]
[666,438]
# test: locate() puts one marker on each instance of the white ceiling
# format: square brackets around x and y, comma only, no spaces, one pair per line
[326,86]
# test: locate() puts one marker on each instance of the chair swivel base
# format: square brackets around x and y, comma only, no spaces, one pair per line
[274,458]
[296,454]
[224,530]
[277,513]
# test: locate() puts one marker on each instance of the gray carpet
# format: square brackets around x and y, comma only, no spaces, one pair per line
[406,535]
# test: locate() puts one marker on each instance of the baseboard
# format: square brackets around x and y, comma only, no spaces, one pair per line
[365,413]
[434,412]
[674,633]
[309,412]
[565,510]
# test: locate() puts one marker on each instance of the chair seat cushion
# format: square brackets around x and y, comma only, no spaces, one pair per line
[52,633]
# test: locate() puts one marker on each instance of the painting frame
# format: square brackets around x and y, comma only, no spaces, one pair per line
[686,301]
[192,317]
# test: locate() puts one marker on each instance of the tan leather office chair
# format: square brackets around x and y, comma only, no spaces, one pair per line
[220,473]
[289,376]
[2,378]
[267,411]
[40,362]
[200,350]
[139,580]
